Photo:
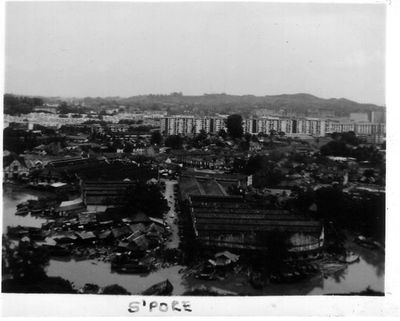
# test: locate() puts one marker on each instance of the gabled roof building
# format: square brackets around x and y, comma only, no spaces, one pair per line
[229,222]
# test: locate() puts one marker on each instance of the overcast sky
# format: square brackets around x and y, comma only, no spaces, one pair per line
[125,49]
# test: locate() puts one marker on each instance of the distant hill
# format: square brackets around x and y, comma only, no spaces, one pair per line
[249,99]
[177,102]
[228,103]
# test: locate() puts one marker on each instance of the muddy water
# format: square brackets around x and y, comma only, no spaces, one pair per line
[91,271]
[357,277]
[11,199]
[368,272]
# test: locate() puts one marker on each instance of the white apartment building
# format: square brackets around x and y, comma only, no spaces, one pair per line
[310,126]
[186,125]
[173,125]
[178,125]
[340,127]
[370,128]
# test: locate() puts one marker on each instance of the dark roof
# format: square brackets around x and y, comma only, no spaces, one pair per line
[98,187]
[104,217]
[137,227]
[133,236]
[120,231]
[229,214]
[155,229]
[140,217]
[118,213]
[127,245]
[7,160]
[141,242]
[103,235]
[204,185]
[68,161]
[86,235]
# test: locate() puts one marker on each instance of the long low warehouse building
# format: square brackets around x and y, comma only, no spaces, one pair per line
[231,222]
[103,192]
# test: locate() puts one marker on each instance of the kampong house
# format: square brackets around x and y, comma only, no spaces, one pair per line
[14,167]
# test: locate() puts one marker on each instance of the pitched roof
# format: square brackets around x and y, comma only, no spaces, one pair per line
[7,160]
[84,235]
[137,227]
[228,255]
[155,228]
[127,245]
[227,214]
[133,236]
[103,235]
[120,231]
[71,205]
[141,242]
[140,217]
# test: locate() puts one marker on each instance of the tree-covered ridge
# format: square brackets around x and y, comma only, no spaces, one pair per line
[15,105]
[216,103]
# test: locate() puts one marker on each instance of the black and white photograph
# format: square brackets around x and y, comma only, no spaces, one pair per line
[194,149]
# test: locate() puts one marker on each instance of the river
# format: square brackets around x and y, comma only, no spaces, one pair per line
[12,196]
[368,272]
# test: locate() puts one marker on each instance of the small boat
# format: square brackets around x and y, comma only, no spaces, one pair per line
[206,276]
[22,205]
[162,288]
[37,212]
[131,268]
[22,212]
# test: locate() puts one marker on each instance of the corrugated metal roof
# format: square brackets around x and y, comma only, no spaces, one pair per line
[258,228]
[234,215]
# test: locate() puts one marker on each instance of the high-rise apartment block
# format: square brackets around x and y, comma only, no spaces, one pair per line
[290,126]
[186,125]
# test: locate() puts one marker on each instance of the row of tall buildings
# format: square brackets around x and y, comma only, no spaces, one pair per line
[311,126]
[186,125]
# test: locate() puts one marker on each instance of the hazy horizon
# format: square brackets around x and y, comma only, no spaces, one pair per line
[198,95]
[77,50]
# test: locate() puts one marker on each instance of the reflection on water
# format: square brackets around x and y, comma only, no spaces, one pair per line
[357,277]
[10,201]
[92,271]
[368,272]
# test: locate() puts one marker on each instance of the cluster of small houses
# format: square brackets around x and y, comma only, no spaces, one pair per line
[80,234]
[89,226]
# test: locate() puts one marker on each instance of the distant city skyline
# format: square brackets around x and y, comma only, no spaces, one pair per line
[128,49]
